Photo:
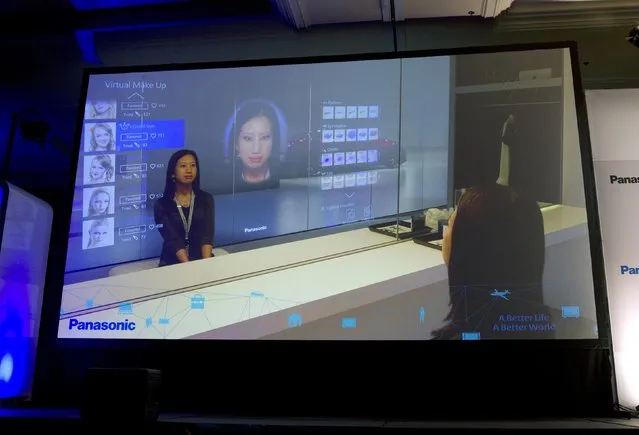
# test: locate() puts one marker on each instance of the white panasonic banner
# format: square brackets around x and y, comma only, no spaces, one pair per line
[614,129]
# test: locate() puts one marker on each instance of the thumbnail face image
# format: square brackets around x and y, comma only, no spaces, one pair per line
[97,233]
[99,137]
[98,201]
[100,109]
[99,169]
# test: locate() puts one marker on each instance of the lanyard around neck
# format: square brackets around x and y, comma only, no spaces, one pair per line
[186,222]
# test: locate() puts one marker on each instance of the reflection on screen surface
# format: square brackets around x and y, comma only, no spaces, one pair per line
[332,157]
[321,151]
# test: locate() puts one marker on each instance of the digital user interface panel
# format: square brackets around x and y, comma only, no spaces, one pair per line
[327,154]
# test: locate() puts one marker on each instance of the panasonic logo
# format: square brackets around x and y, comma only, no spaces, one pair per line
[253,230]
[614,179]
[75,324]
[627,270]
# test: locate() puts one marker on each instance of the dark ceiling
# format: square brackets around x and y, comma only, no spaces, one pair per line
[32,17]
[9,6]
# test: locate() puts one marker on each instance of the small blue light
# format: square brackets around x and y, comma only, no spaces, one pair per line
[15,341]
[570,311]
[91,5]
[125,308]
[294,320]
[86,43]
[197,302]
[349,323]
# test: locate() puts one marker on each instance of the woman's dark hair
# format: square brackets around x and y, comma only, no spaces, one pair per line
[255,109]
[169,184]
[497,242]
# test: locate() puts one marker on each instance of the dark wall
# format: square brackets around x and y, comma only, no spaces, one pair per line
[42,82]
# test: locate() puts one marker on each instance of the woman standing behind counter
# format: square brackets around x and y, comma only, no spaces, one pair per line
[185,214]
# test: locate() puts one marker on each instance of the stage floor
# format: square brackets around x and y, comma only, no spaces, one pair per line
[40,420]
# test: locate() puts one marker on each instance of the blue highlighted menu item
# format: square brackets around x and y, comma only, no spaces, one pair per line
[150,135]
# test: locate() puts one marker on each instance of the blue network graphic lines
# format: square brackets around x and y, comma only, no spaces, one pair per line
[185,314]
[93,296]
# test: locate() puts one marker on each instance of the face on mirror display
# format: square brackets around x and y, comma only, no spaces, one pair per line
[255,142]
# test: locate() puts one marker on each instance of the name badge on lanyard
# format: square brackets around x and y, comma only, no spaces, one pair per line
[186,222]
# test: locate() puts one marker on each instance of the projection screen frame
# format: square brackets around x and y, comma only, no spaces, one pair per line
[56,277]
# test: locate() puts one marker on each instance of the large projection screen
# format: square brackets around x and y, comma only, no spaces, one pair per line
[318,150]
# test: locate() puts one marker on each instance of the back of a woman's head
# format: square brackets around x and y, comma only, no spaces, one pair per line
[496,262]
[497,239]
